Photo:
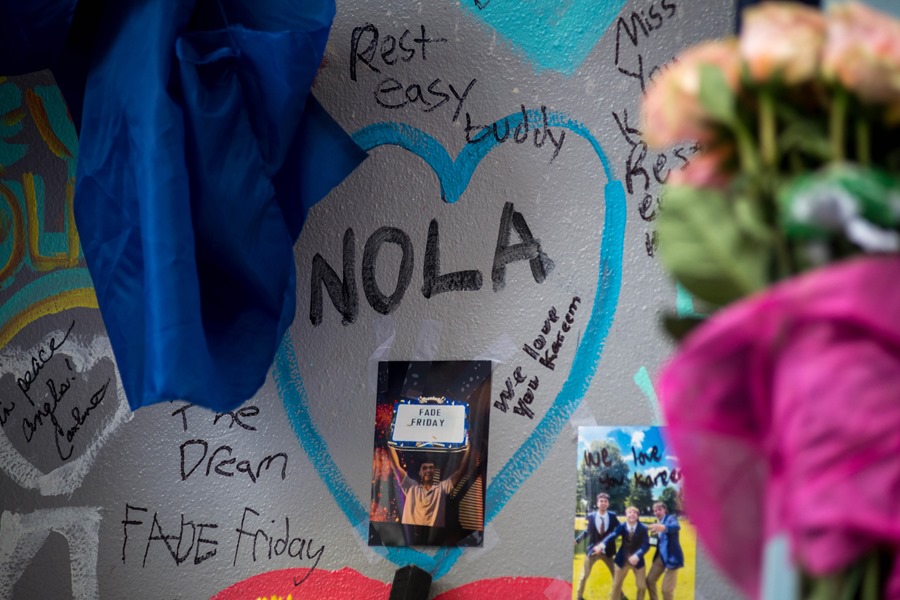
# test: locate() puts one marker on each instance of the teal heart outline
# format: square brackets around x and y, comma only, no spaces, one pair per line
[454,177]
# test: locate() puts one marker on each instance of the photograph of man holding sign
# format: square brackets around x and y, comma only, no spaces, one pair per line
[430,453]
[425,498]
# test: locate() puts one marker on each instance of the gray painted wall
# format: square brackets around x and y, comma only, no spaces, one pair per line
[62,523]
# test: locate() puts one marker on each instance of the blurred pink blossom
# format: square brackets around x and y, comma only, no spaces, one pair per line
[784,410]
[782,39]
[862,52]
[707,169]
[671,109]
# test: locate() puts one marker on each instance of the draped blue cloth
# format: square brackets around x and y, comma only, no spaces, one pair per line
[201,151]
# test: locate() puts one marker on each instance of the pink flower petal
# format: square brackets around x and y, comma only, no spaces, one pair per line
[784,410]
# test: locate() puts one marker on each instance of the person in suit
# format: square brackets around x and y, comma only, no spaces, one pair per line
[599,523]
[630,557]
[669,556]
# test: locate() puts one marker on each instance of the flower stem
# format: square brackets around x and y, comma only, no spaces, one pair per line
[784,262]
[767,128]
[836,123]
[746,148]
[863,141]
[871,578]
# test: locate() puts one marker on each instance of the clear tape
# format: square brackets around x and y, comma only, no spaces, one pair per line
[428,340]
[558,590]
[582,417]
[362,539]
[500,351]
[491,539]
[385,334]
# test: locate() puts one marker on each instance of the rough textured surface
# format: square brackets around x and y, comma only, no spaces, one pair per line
[176,522]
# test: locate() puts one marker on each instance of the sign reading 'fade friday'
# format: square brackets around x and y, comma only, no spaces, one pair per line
[435,422]
[504,217]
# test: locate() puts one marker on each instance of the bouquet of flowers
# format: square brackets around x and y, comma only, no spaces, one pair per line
[784,405]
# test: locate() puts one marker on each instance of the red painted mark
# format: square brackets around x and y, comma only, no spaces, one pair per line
[345,584]
[512,588]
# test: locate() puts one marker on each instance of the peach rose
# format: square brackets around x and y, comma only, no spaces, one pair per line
[782,40]
[671,109]
[862,52]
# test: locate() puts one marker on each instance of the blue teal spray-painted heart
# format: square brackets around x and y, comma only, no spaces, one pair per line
[454,177]
[554,35]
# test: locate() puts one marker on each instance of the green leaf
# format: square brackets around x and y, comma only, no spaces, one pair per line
[806,138]
[715,96]
[703,246]
[678,328]
[750,219]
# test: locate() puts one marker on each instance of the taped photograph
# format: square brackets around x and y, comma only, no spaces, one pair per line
[632,538]
[430,453]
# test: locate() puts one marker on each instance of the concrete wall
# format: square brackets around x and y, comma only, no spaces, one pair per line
[110,511]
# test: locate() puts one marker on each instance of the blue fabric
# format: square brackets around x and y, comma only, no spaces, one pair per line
[201,151]
[668,545]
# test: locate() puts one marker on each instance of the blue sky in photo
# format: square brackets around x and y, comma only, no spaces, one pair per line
[631,440]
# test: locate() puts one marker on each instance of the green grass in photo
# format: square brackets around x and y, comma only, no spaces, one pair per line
[599,584]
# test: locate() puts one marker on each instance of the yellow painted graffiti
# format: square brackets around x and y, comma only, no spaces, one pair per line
[12,117]
[56,260]
[74,242]
[274,598]
[78,298]
[17,229]
[42,122]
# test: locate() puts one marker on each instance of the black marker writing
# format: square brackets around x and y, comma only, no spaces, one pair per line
[5,411]
[392,94]
[382,52]
[80,416]
[237,417]
[38,362]
[664,477]
[265,542]
[551,353]
[530,383]
[377,299]
[178,542]
[343,290]
[520,133]
[64,438]
[389,46]
[596,459]
[641,23]
[642,172]
[223,460]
